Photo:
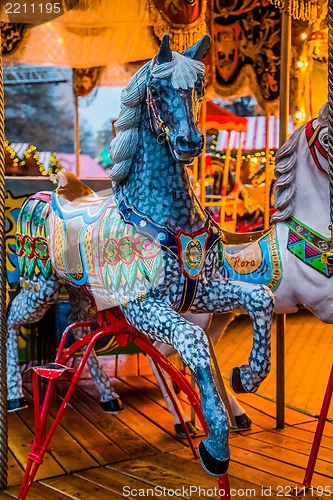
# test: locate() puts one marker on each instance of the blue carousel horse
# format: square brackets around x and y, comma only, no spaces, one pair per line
[148,247]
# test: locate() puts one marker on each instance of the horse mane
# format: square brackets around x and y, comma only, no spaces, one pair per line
[285,172]
[184,72]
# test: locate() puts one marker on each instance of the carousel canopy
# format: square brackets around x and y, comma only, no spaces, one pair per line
[100,34]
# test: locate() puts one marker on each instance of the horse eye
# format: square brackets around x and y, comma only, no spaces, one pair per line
[154,93]
[325,139]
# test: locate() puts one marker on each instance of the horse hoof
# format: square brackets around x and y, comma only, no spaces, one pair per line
[243,423]
[236,381]
[16,404]
[212,465]
[180,433]
[112,406]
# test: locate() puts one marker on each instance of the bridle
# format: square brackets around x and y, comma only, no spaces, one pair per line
[157,125]
[314,144]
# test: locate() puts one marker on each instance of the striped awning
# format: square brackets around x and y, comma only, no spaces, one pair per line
[220,118]
[254,139]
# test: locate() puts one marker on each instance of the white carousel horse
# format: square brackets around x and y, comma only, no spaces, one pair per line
[300,233]
[287,257]
[148,248]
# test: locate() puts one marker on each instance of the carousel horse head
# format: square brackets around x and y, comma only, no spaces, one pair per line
[301,169]
[172,86]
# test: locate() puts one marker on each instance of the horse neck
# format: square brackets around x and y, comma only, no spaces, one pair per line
[158,186]
[312,196]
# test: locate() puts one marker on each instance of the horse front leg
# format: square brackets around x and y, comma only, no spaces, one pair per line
[158,320]
[81,310]
[223,295]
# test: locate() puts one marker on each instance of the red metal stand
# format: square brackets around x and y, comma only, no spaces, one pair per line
[300,490]
[108,323]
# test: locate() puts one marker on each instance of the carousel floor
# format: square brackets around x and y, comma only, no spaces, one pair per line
[135,454]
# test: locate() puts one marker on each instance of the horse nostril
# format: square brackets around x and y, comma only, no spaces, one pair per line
[185,144]
[182,142]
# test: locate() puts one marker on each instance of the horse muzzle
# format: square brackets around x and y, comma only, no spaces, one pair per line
[186,149]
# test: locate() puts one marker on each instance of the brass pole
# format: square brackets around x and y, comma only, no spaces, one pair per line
[203,154]
[327,257]
[267,174]
[237,180]
[195,170]
[285,72]
[284,115]
[3,386]
[225,180]
[77,136]
[280,372]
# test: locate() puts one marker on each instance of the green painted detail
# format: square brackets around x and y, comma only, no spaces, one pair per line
[308,246]
[31,242]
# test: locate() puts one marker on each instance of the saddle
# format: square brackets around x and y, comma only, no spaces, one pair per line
[73,199]
[70,187]
[75,209]
[245,238]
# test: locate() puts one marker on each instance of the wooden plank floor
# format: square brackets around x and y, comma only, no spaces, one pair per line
[135,453]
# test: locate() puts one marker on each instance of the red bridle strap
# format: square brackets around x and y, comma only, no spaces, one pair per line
[314,144]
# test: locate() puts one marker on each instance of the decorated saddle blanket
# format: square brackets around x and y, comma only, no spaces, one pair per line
[255,261]
[93,246]
[105,246]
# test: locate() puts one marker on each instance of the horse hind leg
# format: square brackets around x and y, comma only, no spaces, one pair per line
[81,311]
[29,306]
[259,304]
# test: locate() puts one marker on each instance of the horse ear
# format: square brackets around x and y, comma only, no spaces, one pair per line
[323,113]
[164,54]
[199,49]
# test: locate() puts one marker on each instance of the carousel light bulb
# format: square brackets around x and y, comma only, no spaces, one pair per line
[304,36]
[60,40]
[299,114]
